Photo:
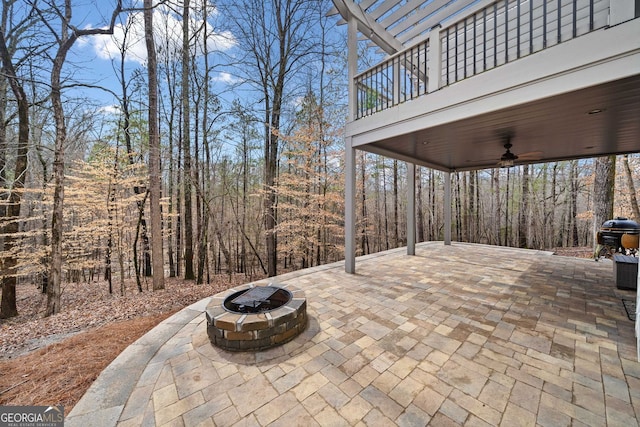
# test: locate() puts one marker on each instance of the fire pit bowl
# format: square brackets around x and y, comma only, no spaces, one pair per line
[256,317]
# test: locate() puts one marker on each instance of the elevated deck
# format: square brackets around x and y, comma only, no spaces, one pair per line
[561,78]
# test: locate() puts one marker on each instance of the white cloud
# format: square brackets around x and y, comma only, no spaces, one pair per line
[110,109]
[225,78]
[167,33]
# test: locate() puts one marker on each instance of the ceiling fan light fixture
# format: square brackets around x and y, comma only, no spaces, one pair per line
[506,163]
[508,158]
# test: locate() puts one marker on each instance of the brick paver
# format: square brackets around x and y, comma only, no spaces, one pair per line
[456,335]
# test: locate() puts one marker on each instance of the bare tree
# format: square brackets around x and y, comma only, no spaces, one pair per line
[419,206]
[171,109]
[632,188]
[154,151]
[8,306]
[574,183]
[65,39]
[274,34]
[125,104]
[603,189]
[186,146]
[244,127]
[523,218]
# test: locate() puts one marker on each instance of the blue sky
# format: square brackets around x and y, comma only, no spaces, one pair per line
[96,57]
[95,60]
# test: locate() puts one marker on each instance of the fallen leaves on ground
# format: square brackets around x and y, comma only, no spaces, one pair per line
[53,360]
[60,373]
[577,252]
[90,305]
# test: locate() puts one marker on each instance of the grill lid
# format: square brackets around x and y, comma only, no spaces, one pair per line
[621,224]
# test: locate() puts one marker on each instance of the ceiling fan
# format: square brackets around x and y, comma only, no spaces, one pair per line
[508,159]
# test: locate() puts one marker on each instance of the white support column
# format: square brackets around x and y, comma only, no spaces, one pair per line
[447,208]
[350,209]
[350,155]
[434,61]
[411,209]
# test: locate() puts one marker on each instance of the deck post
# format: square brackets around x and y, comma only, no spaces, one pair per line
[352,64]
[350,154]
[447,208]
[411,208]
[434,61]
[623,10]
[350,209]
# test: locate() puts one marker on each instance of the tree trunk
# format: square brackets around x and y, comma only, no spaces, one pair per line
[4,146]
[8,307]
[632,188]
[433,210]
[126,127]
[178,186]
[603,190]
[545,209]
[270,212]
[496,220]
[364,241]
[111,208]
[458,208]
[204,231]
[507,229]
[420,208]
[66,39]
[385,205]
[472,221]
[396,234]
[186,146]
[574,202]
[154,151]
[554,200]
[523,218]
[170,252]
[466,214]
[55,277]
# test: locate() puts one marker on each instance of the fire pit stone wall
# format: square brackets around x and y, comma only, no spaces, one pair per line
[255,331]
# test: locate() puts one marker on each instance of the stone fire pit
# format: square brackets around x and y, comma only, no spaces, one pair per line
[256,316]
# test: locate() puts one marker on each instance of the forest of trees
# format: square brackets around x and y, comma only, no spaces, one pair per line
[223,128]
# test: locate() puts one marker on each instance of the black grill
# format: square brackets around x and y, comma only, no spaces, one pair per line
[611,232]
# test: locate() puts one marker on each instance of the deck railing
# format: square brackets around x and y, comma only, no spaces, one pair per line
[510,29]
[501,32]
[398,79]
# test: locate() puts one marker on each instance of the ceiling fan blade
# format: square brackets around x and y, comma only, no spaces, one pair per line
[531,155]
[482,161]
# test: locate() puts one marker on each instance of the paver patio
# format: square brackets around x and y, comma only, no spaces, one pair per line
[465,334]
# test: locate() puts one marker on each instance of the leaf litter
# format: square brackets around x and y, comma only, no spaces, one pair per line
[53,360]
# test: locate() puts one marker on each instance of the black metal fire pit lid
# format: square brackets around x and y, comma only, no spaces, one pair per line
[255,296]
[621,224]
